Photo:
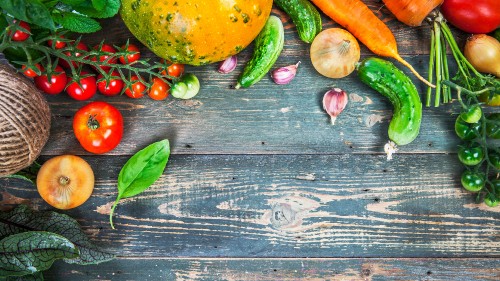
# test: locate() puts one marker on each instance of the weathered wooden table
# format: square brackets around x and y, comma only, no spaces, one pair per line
[260,186]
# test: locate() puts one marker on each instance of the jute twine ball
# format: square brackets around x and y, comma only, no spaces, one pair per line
[24,121]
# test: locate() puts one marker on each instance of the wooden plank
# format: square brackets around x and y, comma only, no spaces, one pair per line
[288,206]
[323,269]
[265,119]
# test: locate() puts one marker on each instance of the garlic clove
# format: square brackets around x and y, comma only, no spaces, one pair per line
[284,75]
[334,102]
[228,65]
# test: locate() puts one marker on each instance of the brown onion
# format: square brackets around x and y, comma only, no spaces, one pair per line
[483,52]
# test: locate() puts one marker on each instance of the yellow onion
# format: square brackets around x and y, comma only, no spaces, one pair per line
[483,52]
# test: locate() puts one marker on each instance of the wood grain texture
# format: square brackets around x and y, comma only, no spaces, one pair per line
[264,119]
[288,206]
[323,269]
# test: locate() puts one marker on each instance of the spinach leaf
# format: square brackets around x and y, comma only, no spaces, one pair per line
[22,219]
[30,252]
[32,11]
[110,9]
[32,277]
[141,171]
[77,23]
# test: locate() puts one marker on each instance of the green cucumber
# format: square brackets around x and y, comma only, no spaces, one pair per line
[388,80]
[267,48]
[305,17]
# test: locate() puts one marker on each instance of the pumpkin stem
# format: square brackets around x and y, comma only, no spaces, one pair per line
[92,123]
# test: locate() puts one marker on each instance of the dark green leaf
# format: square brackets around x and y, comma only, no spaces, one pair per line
[32,11]
[99,4]
[77,23]
[143,169]
[110,9]
[33,251]
[73,2]
[32,277]
[3,22]
[23,219]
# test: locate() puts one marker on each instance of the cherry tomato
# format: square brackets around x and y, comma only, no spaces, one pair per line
[495,185]
[479,16]
[105,58]
[494,158]
[472,181]
[83,91]
[471,155]
[98,126]
[174,69]
[133,57]
[466,131]
[20,35]
[30,72]
[187,87]
[159,89]
[79,46]
[113,87]
[58,44]
[138,88]
[491,201]
[56,84]
[493,125]
[472,114]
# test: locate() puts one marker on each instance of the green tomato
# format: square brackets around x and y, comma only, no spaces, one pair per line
[495,185]
[491,201]
[471,155]
[472,181]
[493,125]
[494,158]
[472,114]
[467,131]
[187,87]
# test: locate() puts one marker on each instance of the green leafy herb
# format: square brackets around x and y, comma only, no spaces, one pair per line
[110,9]
[77,23]
[22,219]
[32,11]
[30,252]
[141,171]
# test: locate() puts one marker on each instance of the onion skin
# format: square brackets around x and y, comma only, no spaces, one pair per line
[483,52]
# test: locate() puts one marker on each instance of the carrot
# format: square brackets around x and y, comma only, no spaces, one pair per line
[411,12]
[358,19]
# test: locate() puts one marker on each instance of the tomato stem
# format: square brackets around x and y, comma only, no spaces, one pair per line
[93,123]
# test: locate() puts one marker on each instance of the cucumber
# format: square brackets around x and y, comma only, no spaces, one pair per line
[304,15]
[267,48]
[388,80]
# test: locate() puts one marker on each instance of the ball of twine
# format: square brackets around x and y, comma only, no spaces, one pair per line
[24,121]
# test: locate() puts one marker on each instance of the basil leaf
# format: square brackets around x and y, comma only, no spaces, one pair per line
[32,277]
[77,23]
[32,11]
[22,219]
[141,171]
[33,251]
[110,9]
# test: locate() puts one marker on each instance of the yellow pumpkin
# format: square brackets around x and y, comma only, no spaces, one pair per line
[195,32]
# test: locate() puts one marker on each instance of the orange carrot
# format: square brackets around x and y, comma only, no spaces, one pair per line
[411,12]
[358,19]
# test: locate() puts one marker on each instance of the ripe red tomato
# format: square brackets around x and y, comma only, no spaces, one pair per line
[138,88]
[98,126]
[479,16]
[79,46]
[113,88]
[58,44]
[30,72]
[83,91]
[133,57]
[159,89]
[174,69]
[105,58]
[20,35]
[56,84]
